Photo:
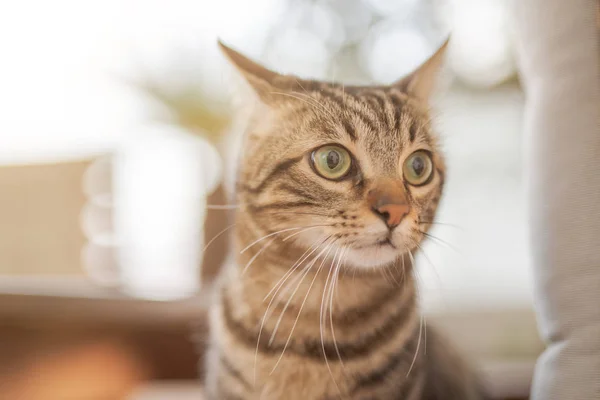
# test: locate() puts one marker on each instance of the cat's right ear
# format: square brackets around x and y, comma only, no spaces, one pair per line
[264,82]
[421,82]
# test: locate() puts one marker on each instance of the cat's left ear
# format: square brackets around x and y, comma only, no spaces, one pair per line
[264,82]
[422,81]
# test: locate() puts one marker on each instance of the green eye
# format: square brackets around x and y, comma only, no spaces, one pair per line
[418,168]
[331,162]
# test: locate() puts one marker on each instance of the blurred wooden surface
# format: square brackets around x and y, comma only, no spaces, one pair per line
[171,391]
[144,348]
[39,209]
[55,348]
[99,369]
[166,338]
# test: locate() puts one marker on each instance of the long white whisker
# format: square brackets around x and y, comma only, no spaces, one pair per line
[417,350]
[269,235]
[397,270]
[300,84]
[328,248]
[322,321]
[222,206]
[383,272]
[392,275]
[275,290]
[299,279]
[430,263]
[425,334]
[268,314]
[291,270]
[217,236]
[443,243]
[305,272]
[312,101]
[412,259]
[336,276]
[256,255]
[303,230]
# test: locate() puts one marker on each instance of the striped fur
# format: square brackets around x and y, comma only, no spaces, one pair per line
[314,308]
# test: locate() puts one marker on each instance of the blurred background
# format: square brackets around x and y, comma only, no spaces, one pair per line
[116,138]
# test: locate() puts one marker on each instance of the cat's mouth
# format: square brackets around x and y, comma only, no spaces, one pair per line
[374,253]
[384,243]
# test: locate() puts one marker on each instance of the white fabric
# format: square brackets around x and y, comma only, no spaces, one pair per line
[559,59]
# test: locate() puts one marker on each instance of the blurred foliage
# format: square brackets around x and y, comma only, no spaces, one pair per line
[340,26]
[354,41]
[193,109]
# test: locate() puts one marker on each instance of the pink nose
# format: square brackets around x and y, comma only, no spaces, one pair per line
[392,214]
[389,204]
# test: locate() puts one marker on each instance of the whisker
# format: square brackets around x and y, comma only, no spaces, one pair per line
[269,235]
[441,223]
[305,272]
[443,242]
[300,84]
[429,261]
[382,272]
[301,277]
[328,248]
[304,213]
[267,314]
[417,350]
[319,104]
[307,94]
[397,271]
[425,334]
[322,320]
[304,99]
[412,258]
[392,275]
[256,255]
[304,230]
[222,206]
[333,285]
[299,261]
[217,236]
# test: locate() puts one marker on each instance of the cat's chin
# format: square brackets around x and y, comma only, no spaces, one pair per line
[371,257]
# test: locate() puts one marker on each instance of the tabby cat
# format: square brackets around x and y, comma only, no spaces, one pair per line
[337,187]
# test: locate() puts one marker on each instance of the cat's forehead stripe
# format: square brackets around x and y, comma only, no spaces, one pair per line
[367,111]
[350,105]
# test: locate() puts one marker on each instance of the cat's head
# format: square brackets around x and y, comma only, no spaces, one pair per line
[357,167]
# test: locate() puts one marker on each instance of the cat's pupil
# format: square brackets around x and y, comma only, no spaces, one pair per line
[333,159]
[418,166]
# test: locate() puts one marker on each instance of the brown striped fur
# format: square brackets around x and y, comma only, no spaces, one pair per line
[314,307]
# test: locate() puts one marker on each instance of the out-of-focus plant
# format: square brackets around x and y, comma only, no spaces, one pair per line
[193,109]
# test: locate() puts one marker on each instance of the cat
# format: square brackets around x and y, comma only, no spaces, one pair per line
[336,188]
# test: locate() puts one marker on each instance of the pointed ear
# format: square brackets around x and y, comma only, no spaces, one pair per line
[264,81]
[421,82]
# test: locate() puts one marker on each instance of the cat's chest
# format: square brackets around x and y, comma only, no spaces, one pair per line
[298,380]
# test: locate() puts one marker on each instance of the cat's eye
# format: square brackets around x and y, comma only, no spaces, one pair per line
[418,168]
[331,162]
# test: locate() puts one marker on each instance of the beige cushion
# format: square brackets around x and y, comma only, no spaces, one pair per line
[558,51]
